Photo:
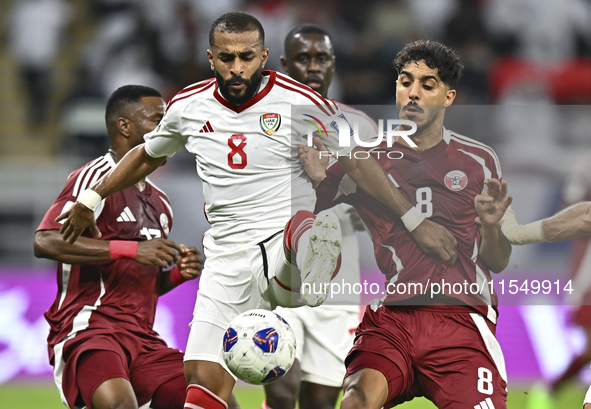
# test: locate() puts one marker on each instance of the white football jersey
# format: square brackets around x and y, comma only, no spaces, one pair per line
[247,156]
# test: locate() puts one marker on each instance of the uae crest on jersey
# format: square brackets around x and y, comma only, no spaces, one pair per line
[270,123]
[455,180]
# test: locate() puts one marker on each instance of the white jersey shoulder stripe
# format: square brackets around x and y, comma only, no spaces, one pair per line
[192,89]
[304,90]
[190,94]
[99,174]
[80,176]
[471,142]
[85,176]
[481,162]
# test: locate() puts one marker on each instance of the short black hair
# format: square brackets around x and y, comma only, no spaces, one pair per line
[236,22]
[435,55]
[125,95]
[305,29]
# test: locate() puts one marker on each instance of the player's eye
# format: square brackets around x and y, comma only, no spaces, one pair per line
[428,87]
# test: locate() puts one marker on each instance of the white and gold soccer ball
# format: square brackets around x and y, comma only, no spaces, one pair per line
[259,347]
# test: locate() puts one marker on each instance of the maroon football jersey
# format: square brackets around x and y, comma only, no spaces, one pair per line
[442,183]
[118,294]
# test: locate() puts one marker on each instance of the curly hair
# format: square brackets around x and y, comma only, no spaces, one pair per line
[435,55]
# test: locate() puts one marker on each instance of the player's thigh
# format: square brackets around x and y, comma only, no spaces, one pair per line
[383,344]
[229,286]
[467,368]
[329,338]
[171,394]
[103,380]
[154,367]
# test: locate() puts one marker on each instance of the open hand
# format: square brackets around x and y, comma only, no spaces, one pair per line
[77,219]
[315,160]
[493,202]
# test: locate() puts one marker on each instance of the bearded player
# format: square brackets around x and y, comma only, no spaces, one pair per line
[244,127]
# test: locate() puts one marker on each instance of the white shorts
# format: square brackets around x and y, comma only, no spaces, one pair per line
[324,336]
[231,283]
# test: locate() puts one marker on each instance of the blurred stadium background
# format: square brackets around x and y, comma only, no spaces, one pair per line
[525,92]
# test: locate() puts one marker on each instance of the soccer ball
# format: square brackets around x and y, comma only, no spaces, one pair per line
[259,347]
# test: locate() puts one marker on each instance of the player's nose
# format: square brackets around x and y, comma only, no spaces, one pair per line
[414,91]
[313,66]
[237,67]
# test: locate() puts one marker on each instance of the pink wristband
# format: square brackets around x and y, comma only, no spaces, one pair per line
[176,276]
[119,249]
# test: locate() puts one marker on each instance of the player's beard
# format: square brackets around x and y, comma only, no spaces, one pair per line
[252,84]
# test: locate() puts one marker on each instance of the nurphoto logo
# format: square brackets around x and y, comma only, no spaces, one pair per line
[403,128]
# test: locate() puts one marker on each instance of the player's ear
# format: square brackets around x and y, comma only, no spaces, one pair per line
[210,58]
[450,95]
[283,64]
[264,56]
[124,126]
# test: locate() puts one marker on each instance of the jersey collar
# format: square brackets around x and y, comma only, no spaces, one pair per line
[260,95]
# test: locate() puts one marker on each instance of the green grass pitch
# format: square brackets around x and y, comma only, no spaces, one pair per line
[34,396]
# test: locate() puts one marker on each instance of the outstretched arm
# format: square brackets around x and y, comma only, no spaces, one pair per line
[49,244]
[572,222]
[433,239]
[134,166]
[495,249]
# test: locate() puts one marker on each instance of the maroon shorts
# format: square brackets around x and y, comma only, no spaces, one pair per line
[448,354]
[582,316]
[147,363]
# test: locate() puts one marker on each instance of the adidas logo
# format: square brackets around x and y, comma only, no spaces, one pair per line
[206,128]
[126,216]
[485,404]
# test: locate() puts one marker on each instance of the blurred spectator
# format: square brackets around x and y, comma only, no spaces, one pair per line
[545,31]
[36,28]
